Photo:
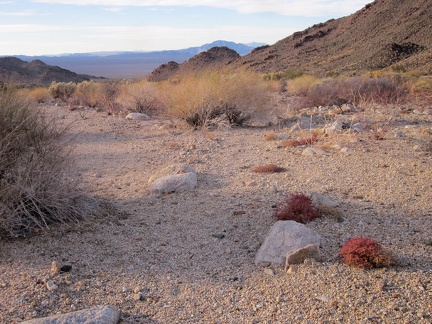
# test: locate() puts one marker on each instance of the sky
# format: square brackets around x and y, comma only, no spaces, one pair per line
[49,27]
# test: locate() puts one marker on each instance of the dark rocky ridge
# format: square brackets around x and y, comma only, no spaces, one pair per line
[380,35]
[15,70]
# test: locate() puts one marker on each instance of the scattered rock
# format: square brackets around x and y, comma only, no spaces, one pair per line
[269,271]
[285,237]
[66,268]
[55,268]
[298,256]
[313,151]
[171,170]
[346,150]
[51,286]
[320,200]
[173,183]
[139,296]
[137,116]
[292,269]
[96,315]
[219,236]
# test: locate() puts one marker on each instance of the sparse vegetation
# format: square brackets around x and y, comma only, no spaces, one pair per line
[39,94]
[62,90]
[35,187]
[215,97]
[269,168]
[298,207]
[365,253]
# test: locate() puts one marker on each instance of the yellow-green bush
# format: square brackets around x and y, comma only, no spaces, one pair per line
[142,97]
[212,94]
[39,94]
[62,90]
[88,93]
[302,84]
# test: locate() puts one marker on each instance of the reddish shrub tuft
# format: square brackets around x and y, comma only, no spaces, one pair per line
[290,143]
[365,253]
[308,141]
[299,208]
[269,168]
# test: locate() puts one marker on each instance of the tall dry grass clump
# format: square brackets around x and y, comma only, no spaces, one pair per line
[216,96]
[35,188]
[142,97]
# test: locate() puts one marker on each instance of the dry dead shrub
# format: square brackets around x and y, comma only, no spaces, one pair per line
[269,168]
[212,96]
[141,97]
[354,90]
[272,136]
[300,86]
[35,186]
[39,94]
[107,97]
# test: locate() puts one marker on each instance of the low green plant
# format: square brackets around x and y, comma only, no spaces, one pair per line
[36,188]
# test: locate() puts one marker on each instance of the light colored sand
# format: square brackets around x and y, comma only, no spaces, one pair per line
[164,248]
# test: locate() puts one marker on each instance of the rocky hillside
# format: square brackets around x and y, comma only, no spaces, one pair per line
[15,70]
[384,33]
[215,57]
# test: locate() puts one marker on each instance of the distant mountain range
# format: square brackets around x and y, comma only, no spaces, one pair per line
[130,64]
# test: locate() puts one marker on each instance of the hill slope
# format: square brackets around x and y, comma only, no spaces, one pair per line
[15,70]
[382,34]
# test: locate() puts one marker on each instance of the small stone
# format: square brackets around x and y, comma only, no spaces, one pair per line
[269,271]
[55,268]
[346,150]
[51,286]
[66,268]
[313,151]
[218,236]
[399,134]
[292,269]
[139,296]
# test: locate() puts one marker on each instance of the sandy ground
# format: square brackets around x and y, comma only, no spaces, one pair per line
[162,259]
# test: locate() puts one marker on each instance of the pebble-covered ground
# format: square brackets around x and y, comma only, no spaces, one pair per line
[188,257]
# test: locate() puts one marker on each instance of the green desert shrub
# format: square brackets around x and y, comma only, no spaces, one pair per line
[35,186]
[212,95]
[87,92]
[62,90]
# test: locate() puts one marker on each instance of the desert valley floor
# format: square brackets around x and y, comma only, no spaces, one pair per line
[188,257]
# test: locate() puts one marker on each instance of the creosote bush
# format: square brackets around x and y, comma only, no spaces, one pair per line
[269,168]
[365,253]
[298,207]
[35,187]
[62,90]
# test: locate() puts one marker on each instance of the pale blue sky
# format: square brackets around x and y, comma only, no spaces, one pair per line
[36,27]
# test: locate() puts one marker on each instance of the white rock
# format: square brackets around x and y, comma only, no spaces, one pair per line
[51,286]
[171,169]
[284,237]
[173,183]
[137,116]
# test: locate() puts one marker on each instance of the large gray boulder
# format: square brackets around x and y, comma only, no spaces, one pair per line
[96,315]
[285,237]
[173,183]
